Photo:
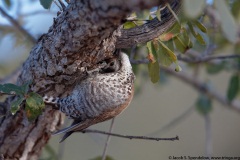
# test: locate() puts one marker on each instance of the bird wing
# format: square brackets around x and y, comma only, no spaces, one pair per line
[67,129]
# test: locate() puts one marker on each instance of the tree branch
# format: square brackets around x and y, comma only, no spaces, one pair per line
[207,58]
[191,60]
[18,26]
[130,137]
[152,29]
[108,140]
[201,87]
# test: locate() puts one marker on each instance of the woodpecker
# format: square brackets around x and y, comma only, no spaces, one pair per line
[99,97]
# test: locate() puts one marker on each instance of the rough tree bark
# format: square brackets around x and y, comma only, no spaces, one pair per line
[86,33]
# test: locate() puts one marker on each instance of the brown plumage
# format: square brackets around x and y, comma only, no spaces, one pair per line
[99,97]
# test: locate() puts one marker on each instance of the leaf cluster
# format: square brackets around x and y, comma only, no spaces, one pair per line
[162,50]
[33,102]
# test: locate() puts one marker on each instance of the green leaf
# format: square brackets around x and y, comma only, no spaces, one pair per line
[34,105]
[15,105]
[215,68]
[150,56]
[193,8]
[197,35]
[9,88]
[235,5]
[128,25]
[171,33]
[152,47]
[8,3]
[171,56]
[150,17]
[170,46]
[233,87]
[204,104]
[200,39]
[200,26]
[154,71]
[149,47]
[182,41]
[166,55]
[186,38]
[180,45]
[25,87]
[46,3]
[155,47]
[35,100]
[158,13]
[228,23]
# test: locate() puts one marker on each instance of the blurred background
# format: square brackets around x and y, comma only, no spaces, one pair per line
[205,125]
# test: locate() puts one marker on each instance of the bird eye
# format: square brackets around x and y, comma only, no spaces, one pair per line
[112,64]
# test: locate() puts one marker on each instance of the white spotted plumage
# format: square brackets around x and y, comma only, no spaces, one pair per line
[98,98]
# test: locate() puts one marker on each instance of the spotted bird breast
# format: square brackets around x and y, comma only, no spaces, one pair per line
[105,94]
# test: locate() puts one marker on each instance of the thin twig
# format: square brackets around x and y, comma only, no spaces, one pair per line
[61,9]
[18,26]
[139,61]
[191,60]
[208,58]
[201,87]
[130,137]
[197,84]
[9,94]
[108,140]
[62,4]
[133,53]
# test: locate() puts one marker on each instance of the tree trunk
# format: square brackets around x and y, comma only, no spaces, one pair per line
[81,36]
